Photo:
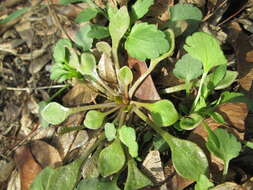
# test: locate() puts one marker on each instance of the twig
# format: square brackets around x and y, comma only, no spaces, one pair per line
[30,89]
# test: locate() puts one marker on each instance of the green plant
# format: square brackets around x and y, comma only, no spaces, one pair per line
[117,135]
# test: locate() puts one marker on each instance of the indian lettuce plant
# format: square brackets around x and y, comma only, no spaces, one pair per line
[203,67]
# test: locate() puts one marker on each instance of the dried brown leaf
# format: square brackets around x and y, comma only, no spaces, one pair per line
[147,90]
[45,154]
[27,166]
[79,94]
[106,69]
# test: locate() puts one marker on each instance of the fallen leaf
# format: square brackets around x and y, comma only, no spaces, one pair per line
[244,55]
[106,69]
[147,90]
[228,186]
[45,154]
[27,166]
[152,164]
[79,94]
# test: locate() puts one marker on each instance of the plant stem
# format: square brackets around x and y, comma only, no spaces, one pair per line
[115,58]
[112,110]
[225,171]
[90,107]
[100,81]
[161,132]
[172,89]
[57,93]
[199,90]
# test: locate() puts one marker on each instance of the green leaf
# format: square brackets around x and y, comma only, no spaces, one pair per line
[160,144]
[218,118]
[190,122]
[86,15]
[188,68]
[185,12]
[229,78]
[188,159]
[63,178]
[94,119]
[59,52]
[97,184]
[203,183]
[163,112]
[98,32]
[135,178]
[145,41]
[55,113]
[88,64]
[205,48]
[111,159]
[110,131]
[14,15]
[217,75]
[223,145]
[74,59]
[127,136]
[43,122]
[104,47]
[125,75]
[118,25]
[235,97]
[140,8]
[82,39]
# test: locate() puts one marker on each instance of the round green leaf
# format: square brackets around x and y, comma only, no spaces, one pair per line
[110,131]
[127,136]
[190,122]
[104,47]
[86,15]
[163,112]
[145,41]
[125,75]
[94,119]
[111,159]
[188,68]
[205,48]
[55,113]
[188,159]
[59,53]
[82,38]
[97,184]
[88,64]
[135,178]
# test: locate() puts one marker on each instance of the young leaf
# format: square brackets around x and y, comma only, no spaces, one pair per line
[127,136]
[146,42]
[94,119]
[14,15]
[205,48]
[163,112]
[203,183]
[185,12]
[218,118]
[125,75]
[43,122]
[88,64]
[63,178]
[188,68]
[104,47]
[86,15]
[135,178]
[110,131]
[82,39]
[228,79]
[217,75]
[223,145]
[97,184]
[140,8]
[55,113]
[188,159]
[190,122]
[118,25]
[98,32]
[111,159]
[73,59]
[59,52]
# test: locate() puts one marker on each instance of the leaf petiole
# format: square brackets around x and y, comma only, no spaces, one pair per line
[199,90]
